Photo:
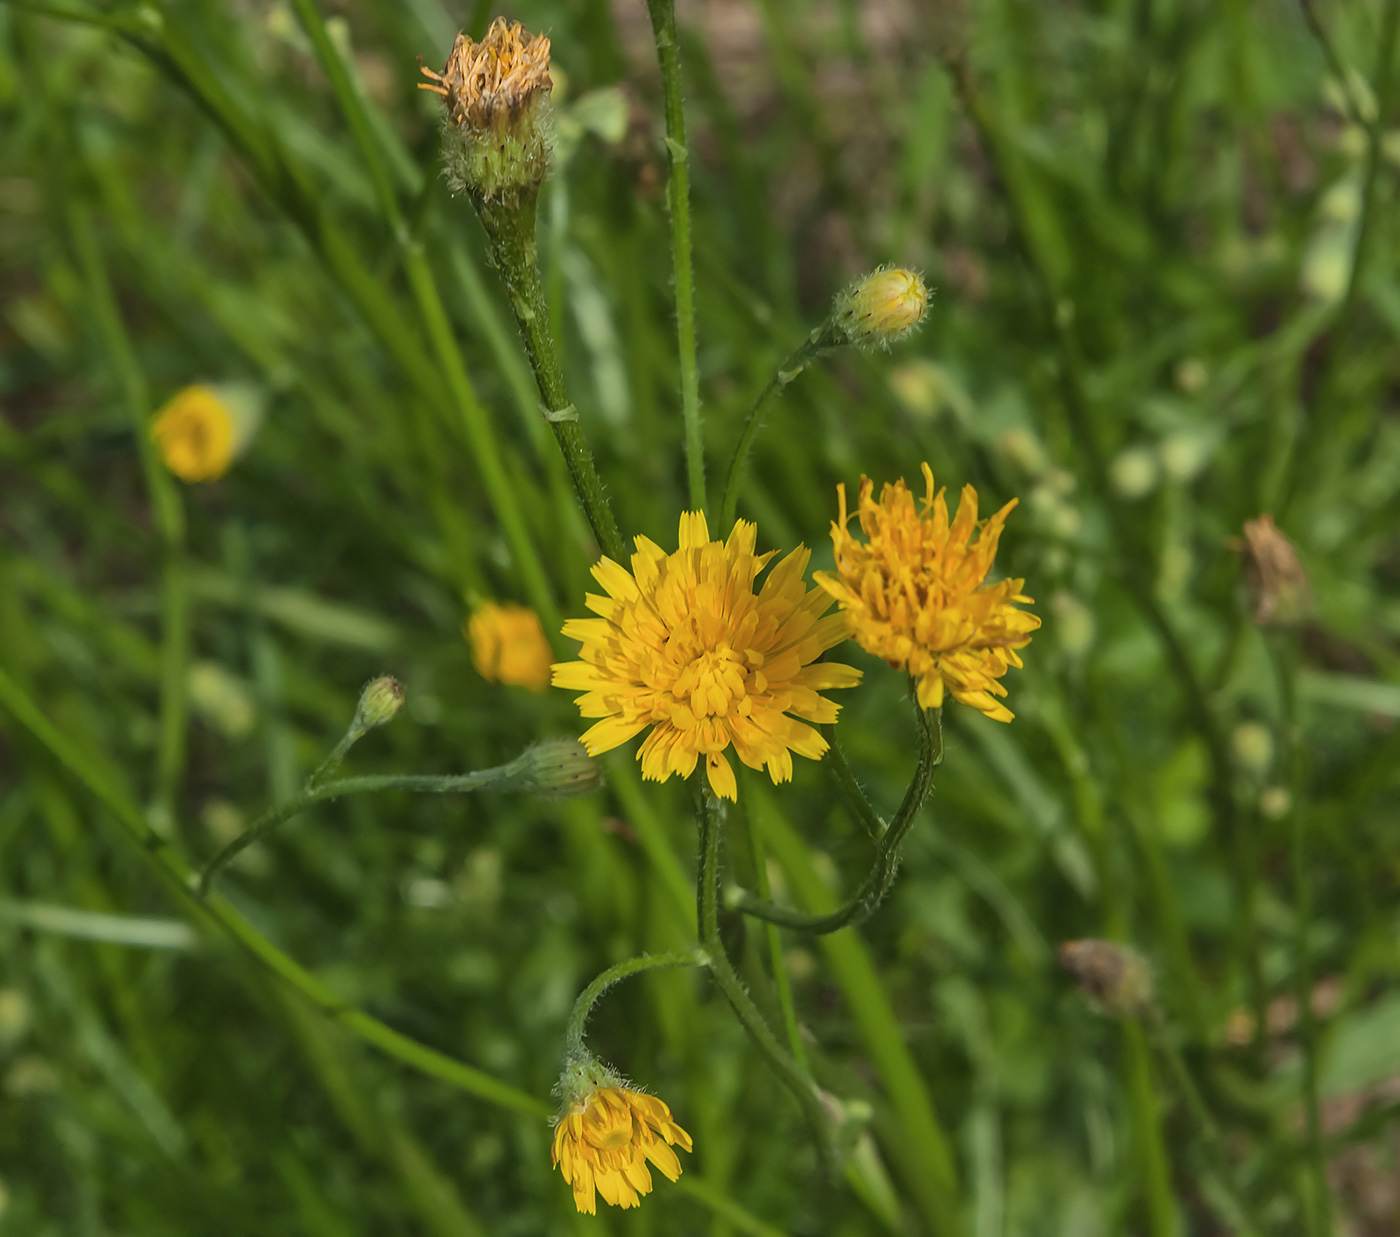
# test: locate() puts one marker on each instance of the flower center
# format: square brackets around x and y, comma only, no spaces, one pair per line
[714,684]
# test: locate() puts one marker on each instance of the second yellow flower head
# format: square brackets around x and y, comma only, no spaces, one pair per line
[915,593]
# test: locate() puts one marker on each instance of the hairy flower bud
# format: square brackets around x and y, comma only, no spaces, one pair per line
[555,767]
[881,307]
[379,703]
[498,125]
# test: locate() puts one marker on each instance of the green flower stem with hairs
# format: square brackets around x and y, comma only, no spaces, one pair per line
[578,1019]
[822,340]
[485,452]
[880,878]
[510,230]
[668,55]
[707,817]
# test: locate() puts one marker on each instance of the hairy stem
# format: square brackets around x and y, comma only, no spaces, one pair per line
[663,26]
[510,228]
[822,340]
[880,878]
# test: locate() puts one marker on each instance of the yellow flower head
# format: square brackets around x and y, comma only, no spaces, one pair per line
[195,434]
[509,645]
[685,646]
[915,593]
[604,1140]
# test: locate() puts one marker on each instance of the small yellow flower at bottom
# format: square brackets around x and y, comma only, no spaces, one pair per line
[509,645]
[915,593]
[604,1139]
[195,434]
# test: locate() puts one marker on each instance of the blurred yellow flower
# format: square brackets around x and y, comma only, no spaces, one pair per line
[605,1139]
[509,645]
[915,594]
[195,434]
[685,646]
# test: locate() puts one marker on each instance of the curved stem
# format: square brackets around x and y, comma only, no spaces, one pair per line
[510,228]
[663,27]
[876,885]
[181,878]
[875,824]
[281,813]
[823,339]
[578,1019]
[794,1077]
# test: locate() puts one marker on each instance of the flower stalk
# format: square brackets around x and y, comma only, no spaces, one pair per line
[708,816]
[663,27]
[877,883]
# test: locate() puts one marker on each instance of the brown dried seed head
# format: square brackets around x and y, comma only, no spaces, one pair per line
[1276,578]
[1115,976]
[487,82]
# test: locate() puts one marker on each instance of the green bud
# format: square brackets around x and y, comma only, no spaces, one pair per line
[555,767]
[881,307]
[379,704]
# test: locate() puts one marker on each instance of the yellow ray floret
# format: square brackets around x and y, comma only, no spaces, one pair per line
[915,593]
[509,645]
[604,1141]
[684,645]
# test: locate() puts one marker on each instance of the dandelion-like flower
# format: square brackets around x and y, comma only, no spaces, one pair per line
[915,593]
[509,645]
[604,1139]
[195,434]
[683,644]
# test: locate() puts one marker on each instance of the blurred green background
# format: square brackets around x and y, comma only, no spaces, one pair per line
[1162,238]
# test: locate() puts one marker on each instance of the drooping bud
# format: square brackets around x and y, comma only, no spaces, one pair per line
[559,768]
[1275,578]
[379,704]
[1116,977]
[881,308]
[498,127]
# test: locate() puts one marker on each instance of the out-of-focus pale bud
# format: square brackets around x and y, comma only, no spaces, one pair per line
[1116,977]
[881,307]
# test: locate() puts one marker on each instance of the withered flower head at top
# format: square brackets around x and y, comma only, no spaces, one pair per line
[499,121]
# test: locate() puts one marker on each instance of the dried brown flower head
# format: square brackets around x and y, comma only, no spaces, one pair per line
[1276,579]
[484,83]
[498,121]
[1115,976]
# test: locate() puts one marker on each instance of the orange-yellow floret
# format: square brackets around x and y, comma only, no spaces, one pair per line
[915,593]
